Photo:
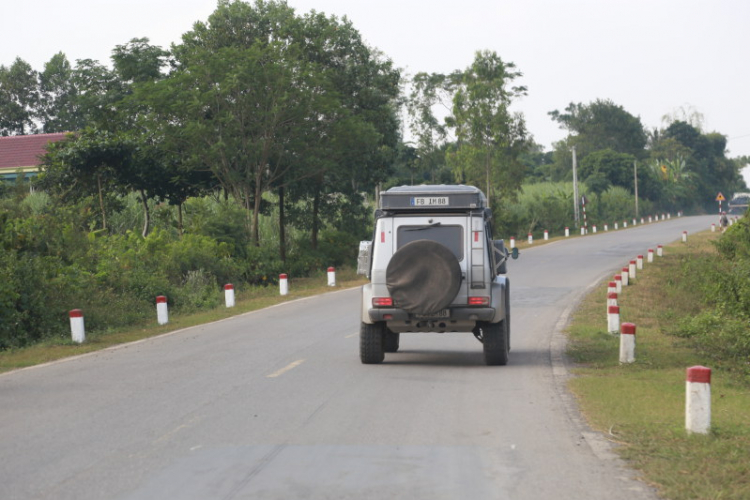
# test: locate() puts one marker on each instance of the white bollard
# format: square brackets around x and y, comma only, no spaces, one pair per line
[612,287]
[616,228]
[77,330]
[583,231]
[613,319]
[698,400]
[650,219]
[567,232]
[634,223]
[618,283]
[631,270]
[642,221]
[531,239]
[283,284]
[331,276]
[627,343]
[713,227]
[684,236]
[594,228]
[669,216]
[512,242]
[639,262]
[606,228]
[659,251]
[229,295]
[624,224]
[650,255]
[546,235]
[625,276]
[162,314]
[611,299]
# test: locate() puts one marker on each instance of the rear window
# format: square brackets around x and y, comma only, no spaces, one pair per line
[448,236]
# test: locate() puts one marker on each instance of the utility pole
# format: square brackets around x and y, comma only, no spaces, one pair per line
[575,189]
[635,176]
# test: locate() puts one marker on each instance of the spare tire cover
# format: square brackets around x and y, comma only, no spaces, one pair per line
[423,277]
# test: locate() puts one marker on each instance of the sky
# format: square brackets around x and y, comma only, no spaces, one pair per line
[652,57]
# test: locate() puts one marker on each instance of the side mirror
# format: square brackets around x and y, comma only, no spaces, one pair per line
[514,253]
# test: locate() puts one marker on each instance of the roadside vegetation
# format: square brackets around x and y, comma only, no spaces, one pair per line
[691,307]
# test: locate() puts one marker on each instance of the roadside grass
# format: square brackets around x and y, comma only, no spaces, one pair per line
[246,300]
[641,406]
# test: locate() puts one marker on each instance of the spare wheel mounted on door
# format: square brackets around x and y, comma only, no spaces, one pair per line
[423,277]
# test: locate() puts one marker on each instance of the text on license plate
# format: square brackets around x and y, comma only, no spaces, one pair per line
[429,201]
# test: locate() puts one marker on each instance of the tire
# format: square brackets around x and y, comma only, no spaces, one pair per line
[423,277]
[372,343]
[391,341]
[495,343]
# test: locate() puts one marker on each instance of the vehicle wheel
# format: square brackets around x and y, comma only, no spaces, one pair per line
[372,343]
[423,277]
[495,343]
[391,341]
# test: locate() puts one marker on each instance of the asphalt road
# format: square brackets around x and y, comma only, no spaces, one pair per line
[276,405]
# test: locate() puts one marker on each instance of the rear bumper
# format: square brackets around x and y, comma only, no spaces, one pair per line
[456,314]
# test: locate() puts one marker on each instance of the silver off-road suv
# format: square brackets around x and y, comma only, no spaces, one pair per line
[434,267]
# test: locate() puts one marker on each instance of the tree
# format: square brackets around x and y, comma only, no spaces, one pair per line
[599,125]
[489,137]
[19,98]
[138,61]
[58,96]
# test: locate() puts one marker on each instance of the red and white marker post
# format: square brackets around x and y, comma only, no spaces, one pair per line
[331,276]
[162,313]
[618,282]
[283,284]
[546,235]
[612,287]
[567,232]
[698,400]
[627,343]
[625,274]
[613,319]
[611,300]
[650,255]
[631,270]
[512,242]
[684,236]
[531,238]
[639,262]
[713,227]
[229,295]
[77,329]
[659,251]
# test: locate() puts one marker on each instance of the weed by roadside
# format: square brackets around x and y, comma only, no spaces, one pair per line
[641,406]
[248,299]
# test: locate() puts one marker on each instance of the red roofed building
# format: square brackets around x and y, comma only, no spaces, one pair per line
[24,152]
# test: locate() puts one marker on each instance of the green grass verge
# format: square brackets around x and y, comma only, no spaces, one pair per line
[641,406]
[245,301]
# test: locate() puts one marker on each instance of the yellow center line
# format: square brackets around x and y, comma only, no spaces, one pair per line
[288,367]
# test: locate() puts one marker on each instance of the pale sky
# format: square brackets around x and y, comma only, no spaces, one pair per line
[649,56]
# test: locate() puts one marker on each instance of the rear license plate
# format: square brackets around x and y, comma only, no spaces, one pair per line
[445,313]
[432,201]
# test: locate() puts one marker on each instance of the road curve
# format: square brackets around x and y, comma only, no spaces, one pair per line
[276,405]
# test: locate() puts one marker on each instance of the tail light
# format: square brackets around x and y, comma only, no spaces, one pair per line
[382,301]
[479,301]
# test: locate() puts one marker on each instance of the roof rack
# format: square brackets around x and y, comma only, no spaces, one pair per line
[432,197]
